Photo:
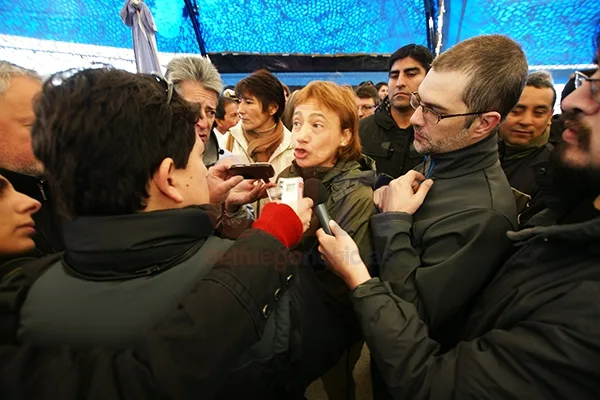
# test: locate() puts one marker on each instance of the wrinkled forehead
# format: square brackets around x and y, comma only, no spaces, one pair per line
[194,92]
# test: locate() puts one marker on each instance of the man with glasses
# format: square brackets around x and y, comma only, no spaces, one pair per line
[387,135]
[439,255]
[532,332]
[197,80]
[367,100]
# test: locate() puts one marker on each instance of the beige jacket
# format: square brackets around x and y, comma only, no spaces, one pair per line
[281,159]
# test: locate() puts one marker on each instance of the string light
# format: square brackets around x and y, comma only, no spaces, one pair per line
[440,26]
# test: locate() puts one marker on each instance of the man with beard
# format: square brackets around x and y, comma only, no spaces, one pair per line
[441,256]
[387,136]
[532,333]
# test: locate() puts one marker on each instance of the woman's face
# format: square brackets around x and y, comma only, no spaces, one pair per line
[252,115]
[383,92]
[317,135]
[16,224]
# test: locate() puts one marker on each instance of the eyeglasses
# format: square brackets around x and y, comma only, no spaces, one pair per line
[365,108]
[580,77]
[431,116]
[167,84]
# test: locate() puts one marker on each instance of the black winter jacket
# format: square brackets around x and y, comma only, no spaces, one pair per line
[187,355]
[387,144]
[532,334]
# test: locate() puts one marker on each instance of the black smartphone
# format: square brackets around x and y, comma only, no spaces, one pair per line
[261,170]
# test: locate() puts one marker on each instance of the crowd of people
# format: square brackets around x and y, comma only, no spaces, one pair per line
[463,249]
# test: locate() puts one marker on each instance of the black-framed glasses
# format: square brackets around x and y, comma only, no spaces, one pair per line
[167,84]
[432,116]
[580,77]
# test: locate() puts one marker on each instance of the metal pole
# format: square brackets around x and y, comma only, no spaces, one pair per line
[193,12]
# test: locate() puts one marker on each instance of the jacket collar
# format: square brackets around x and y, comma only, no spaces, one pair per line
[286,142]
[584,232]
[465,161]
[341,179]
[113,246]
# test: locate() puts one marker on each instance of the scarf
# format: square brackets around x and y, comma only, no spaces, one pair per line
[517,152]
[261,146]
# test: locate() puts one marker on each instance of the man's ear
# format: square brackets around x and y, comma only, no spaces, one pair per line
[272,109]
[164,179]
[486,123]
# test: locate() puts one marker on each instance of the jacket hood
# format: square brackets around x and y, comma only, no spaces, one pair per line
[109,246]
[584,232]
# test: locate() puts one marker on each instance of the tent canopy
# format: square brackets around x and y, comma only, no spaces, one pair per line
[555,34]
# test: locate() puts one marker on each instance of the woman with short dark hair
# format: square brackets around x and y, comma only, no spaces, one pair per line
[261,136]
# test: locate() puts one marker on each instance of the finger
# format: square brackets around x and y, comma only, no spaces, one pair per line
[231,182]
[306,201]
[415,186]
[423,190]
[336,229]
[321,235]
[414,175]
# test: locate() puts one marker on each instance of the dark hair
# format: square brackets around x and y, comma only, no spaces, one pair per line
[542,80]
[266,88]
[570,85]
[367,92]
[380,85]
[102,134]
[224,101]
[492,85]
[419,53]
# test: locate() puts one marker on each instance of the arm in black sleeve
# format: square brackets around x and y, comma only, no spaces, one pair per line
[457,256]
[546,356]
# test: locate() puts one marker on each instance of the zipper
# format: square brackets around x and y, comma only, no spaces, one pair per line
[42,191]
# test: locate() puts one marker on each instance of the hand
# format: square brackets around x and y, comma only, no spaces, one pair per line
[247,191]
[303,209]
[220,182]
[406,194]
[378,196]
[342,255]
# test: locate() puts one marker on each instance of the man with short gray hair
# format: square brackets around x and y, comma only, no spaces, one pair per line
[197,80]
[18,88]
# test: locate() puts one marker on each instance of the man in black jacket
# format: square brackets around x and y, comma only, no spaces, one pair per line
[387,136]
[532,332]
[190,351]
[18,88]
[125,163]
[524,147]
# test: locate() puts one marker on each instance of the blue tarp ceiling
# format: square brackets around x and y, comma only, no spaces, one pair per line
[553,32]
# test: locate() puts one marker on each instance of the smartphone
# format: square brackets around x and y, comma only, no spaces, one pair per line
[261,170]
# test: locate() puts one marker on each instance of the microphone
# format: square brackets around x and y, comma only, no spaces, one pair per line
[314,189]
